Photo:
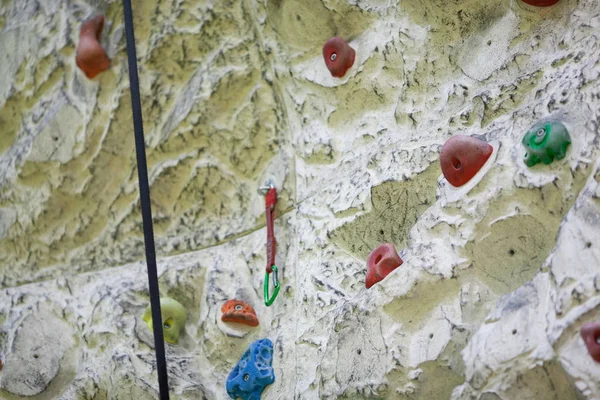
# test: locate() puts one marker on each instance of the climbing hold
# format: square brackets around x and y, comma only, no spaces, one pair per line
[380,263]
[546,142]
[240,312]
[462,157]
[173,317]
[253,372]
[541,3]
[90,56]
[339,56]
[590,333]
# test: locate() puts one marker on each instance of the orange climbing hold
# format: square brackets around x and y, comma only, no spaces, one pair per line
[90,56]
[462,157]
[240,312]
[380,263]
[541,3]
[590,333]
[339,56]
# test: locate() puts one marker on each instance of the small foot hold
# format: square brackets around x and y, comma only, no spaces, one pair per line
[541,3]
[173,318]
[590,333]
[240,312]
[462,157]
[90,56]
[546,142]
[383,260]
[339,56]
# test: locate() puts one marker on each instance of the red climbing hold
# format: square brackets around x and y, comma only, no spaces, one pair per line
[240,312]
[590,333]
[339,56]
[90,56]
[380,263]
[541,3]
[462,157]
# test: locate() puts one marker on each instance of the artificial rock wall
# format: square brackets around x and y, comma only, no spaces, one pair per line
[498,276]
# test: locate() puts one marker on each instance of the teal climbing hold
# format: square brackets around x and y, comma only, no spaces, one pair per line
[253,372]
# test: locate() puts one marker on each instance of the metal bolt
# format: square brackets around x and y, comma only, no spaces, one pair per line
[238,307]
[266,187]
[541,132]
[333,57]
[246,378]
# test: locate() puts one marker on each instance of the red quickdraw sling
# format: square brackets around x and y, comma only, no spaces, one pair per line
[270,194]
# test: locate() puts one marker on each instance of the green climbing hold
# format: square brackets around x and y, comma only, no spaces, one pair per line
[173,316]
[546,142]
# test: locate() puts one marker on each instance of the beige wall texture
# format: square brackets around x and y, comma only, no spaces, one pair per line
[498,275]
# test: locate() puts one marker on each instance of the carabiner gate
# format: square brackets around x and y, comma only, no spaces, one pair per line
[270,300]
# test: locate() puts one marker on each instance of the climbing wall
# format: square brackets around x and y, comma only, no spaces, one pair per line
[498,276]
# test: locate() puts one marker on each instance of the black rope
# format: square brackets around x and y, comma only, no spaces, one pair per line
[136,108]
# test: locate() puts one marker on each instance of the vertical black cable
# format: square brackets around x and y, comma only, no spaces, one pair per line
[136,108]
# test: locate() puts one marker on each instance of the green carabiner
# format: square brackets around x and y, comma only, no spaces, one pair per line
[270,300]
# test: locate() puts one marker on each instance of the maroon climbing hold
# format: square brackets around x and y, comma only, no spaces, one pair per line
[541,3]
[380,263]
[462,157]
[590,333]
[240,312]
[90,56]
[339,56]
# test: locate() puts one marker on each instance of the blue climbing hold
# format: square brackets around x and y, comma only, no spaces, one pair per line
[253,372]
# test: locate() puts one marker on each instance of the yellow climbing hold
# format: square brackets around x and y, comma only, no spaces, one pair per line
[173,316]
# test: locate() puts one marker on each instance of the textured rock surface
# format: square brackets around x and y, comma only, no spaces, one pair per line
[499,275]
[36,353]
